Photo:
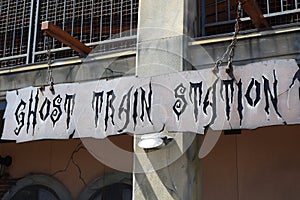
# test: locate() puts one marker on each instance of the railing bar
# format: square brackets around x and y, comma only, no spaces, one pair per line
[121,18]
[55,12]
[73,18]
[13,57]
[216,10]
[47,10]
[47,19]
[131,16]
[6,27]
[54,22]
[53,50]
[228,9]
[81,23]
[64,15]
[91,22]
[111,17]
[129,38]
[282,13]
[281,5]
[14,32]
[30,30]
[203,4]
[22,29]
[112,41]
[35,29]
[268,7]
[68,48]
[101,18]
[248,18]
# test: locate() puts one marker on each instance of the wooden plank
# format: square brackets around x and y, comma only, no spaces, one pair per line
[56,32]
[253,10]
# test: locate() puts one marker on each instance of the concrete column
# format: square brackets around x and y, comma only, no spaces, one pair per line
[172,172]
[160,37]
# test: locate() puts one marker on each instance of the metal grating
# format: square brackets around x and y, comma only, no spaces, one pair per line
[218,16]
[90,21]
[14,29]
[109,22]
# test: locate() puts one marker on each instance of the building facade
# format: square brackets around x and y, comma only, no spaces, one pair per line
[147,39]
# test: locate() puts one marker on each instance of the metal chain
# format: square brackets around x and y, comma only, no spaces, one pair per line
[230,49]
[50,79]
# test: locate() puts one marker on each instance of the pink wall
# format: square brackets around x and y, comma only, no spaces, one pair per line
[49,156]
[268,165]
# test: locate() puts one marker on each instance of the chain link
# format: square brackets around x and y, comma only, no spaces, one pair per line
[229,53]
[50,79]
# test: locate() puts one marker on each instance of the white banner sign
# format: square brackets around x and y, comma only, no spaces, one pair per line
[258,94]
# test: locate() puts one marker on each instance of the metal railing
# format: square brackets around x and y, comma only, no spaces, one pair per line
[108,22]
[15,23]
[218,16]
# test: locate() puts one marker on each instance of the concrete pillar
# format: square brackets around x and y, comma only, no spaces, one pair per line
[172,172]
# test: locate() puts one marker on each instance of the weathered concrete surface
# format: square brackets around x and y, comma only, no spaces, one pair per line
[272,44]
[160,37]
[160,19]
[173,171]
[160,56]
[85,71]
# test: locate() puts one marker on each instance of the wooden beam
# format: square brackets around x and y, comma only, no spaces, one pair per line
[54,31]
[253,10]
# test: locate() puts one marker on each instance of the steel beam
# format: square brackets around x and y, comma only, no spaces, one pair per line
[253,10]
[56,32]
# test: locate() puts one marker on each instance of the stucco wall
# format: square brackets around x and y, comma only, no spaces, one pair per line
[267,165]
[49,156]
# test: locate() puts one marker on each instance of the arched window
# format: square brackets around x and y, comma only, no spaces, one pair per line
[107,187]
[120,191]
[38,187]
[35,192]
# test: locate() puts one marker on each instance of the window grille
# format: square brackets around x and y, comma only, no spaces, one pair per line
[14,31]
[218,16]
[111,23]
[90,21]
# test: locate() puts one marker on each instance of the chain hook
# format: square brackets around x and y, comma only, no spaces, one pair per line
[230,49]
